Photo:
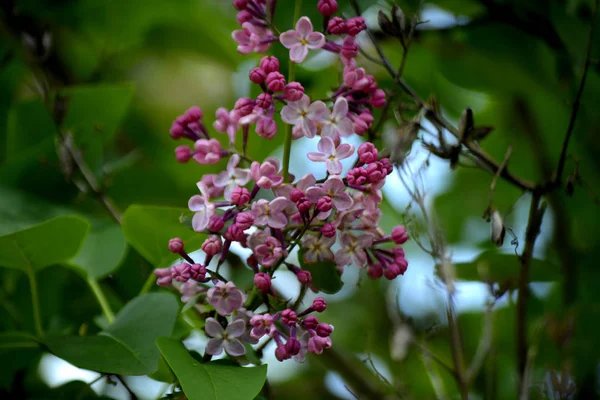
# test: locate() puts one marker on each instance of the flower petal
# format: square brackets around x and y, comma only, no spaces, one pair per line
[334,185]
[318,111]
[197,203]
[288,39]
[298,53]
[277,220]
[334,167]
[315,40]
[213,328]
[200,221]
[326,145]
[340,108]
[222,179]
[236,328]
[304,26]
[318,157]
[344,150]
[345,127]
[214,347]
[342,201]
[290,115]
[234,348]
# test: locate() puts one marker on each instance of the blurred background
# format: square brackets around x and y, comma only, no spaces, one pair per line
[126,69]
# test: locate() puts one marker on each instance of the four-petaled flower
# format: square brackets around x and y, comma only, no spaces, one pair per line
[266,174]
[269,252]
[302,39]
[225,338]
[318,248]
[225,297]
[302,114]
[331,155]
[202,207]
[271,213]
[336,123]
[334,188]
[227,122]
[353,249]
[233,177]
[252,38]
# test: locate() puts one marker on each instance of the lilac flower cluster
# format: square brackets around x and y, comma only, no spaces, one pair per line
[259,206]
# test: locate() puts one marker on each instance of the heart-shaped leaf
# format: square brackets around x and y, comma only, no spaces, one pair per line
[217,380]
[325,275]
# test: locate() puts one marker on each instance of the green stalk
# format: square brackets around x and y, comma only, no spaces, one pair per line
[35,300]
[287,144]
[106,310]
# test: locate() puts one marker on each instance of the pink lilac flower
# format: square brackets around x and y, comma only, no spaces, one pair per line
[240,196]
[334,188]
[318,248]
[164,277]
[363,122]
[301,39]
[269,252]
[209,181]
[225,297]
[378,99]
[349,49]
[266,128]
[212,245]
[183,154]
[271,213]
[252,38]
[269,64]
[356,25]
[353,249]
[293,91]
[257,75]
[244,106]
[266,174]
[275,81]
[399,235]
[263,325]
[337,26]
[233,177]
[225,338]
[264,100]
[331,155]
[262,281]
[298,188]
[227,122]
[303,114]
[202,207]
[188,290]
[245,315]
[336,123]
[176,245]
[316,344]
[207,151]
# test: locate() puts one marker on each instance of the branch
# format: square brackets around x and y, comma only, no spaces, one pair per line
[577,102]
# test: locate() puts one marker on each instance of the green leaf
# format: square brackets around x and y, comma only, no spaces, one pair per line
[103,251]
[497,267]
[51,242]
[127,346]
[325,275]
[17,340]
[217,380]
[29,123]
[149,228]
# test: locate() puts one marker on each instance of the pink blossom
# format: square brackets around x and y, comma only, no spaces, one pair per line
[164,277]
[337,26]
[336,123]
[188,290]
[264,100]
[202,207]
[266,174]
[319,304]
[271,213]
[331,155]
[349,49]
[378,99]
[334,188]
[266,128]
[304,114]
[399,235]
[252,38]
[363,122]
[262,325]
[183,154]
[244,106]
[302,39]
[375,271]
[209,181]
[269,252]
[353,249]
[176,245]
[225,338]
[318,248]
[299,187]
[227,122]
[225,298]
[316,344]
[207,151]
[244,220]
[181,272]
[233,177]
[356,78]
[262,281]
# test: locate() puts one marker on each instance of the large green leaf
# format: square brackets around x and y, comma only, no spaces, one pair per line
[103,251]
[54,241]
[217,380]
[325,275]
[149,228]
[29,123]
[127,346]
[17,340]
[497,267]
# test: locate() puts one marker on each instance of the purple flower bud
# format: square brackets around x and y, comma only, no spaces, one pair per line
[216,223]
[212,245]
[324,204]
[194,113]
[234,233]
[266,128]
[164,276]
[398,253]
[198,272]
[303,205]
[252,261]
[269,64]
[371,86]
[296,194]
[392,271]
[275,82]
[363,122]
[324,329]
[240,4]
[304,277]
[262,281]
[244,16]
[293,91]
[376,172]
[240,196]
[349,48]
[293,346]
[244,220]
[181,272]
[357,176]
[289,317]
[375,271]
[183,154]
[281,353]
[378,99]
[319,304]
[399,235]
[356,25]
[257,75]
[367,153]
[387,164]
[176,245]
[328,230]
[264,100]
[176,130]
[327,7]
[244,106]
[337,26]
[311,322]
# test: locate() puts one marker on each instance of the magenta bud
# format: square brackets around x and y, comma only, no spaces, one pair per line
[216,223]
[234,233]
[293,91]
[269,64]
[378,99]
[194,113]
[399,235]
[328,230]
[176,245]
[387,164]
[324,330]
[240,4]
[293,346]
[311,322]
[356,25]
[304,277]
[324,204]
[257,75]
[349,47]
[375,271]
[262,281]
[266,128]
[212,245]
[264,101]
[357,176]
[181,272]
[337,26]
[176,130]
[367,153]
[392,271]
[289,317]
[327,7]
[244,106]
[244,16]
[240,196]
[198,272]
[244,220]
[296,194]
[281,353]
[252,261]
[376,172]
[275,82]
[319,304]
[183,154]
[164,277]
[303,205]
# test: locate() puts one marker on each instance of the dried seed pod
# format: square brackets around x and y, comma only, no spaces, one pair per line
[465,124]
[406,134]
[497,228]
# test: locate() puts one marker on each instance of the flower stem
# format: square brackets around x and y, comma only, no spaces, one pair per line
[287,144]
[97,290]
[35,301]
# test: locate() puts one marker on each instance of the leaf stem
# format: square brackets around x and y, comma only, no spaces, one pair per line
[35,301]
[99,294]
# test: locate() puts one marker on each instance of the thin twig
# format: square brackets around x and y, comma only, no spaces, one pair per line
[502,167]
[132,395]
[435,358]
[485,344]
[577,102]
